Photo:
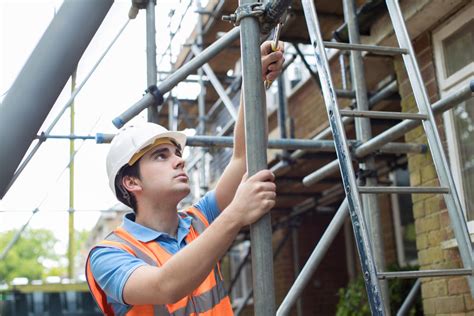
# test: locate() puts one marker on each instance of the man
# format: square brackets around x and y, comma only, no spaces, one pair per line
[164,262]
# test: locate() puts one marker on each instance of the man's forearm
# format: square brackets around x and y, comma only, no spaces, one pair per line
[200,256]
[239,132]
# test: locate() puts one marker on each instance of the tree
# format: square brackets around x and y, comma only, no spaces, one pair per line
[27,256]
[81,238]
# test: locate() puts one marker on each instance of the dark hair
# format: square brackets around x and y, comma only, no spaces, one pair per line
[123,195]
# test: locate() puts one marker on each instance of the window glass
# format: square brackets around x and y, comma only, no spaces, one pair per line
[459,48]
[463,116]
[407,222]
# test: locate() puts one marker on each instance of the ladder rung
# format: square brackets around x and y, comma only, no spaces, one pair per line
[384,115]
[394,189]
[382,50]
[423,273]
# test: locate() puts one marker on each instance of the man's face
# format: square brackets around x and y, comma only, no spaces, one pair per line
[162,173]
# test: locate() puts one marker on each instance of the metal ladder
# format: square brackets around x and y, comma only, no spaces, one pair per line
[353,190]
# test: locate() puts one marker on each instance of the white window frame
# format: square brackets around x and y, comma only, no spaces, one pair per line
[449,84]
[455,23]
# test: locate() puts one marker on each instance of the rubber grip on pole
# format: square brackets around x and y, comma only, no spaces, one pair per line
[99,138]
[118,122]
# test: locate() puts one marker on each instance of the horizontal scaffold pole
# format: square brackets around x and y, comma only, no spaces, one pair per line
[278,143]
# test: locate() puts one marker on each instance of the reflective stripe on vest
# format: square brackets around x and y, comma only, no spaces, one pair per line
[208,299]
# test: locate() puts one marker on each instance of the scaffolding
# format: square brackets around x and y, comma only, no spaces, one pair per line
[263,289]
[253,23]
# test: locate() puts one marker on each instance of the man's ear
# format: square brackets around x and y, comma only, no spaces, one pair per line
[132,184]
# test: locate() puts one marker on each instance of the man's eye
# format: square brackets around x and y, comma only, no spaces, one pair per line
[160,156]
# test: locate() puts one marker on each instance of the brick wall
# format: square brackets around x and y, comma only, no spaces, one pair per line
[386,219]
[320,295]
[306,105]
[283,264]
[440,295]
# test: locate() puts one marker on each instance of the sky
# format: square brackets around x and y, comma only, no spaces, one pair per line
[118,82]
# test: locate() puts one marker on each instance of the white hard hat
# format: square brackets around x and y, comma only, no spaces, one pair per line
[131,140]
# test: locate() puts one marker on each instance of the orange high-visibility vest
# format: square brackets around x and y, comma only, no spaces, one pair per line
[209,299]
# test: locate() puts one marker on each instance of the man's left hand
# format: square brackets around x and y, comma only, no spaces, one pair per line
[272,61]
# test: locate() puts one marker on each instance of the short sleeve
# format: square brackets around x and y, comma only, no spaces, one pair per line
[111,268]
[208,206]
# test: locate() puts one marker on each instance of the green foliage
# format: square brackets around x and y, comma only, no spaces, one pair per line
[27,256]
[410,232]
[353,298]
[399,289]
[81,238]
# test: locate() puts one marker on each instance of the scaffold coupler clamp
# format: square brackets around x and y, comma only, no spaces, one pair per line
[255,9]
[136,6]
[156,93]
[363,174]
[352,148]
[42,137]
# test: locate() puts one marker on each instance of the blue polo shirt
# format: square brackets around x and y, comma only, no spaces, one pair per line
[112,267]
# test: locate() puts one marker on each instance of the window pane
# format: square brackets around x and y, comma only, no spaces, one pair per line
[459,48]
[464,122]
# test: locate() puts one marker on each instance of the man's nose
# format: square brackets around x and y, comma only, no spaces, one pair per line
[179,162]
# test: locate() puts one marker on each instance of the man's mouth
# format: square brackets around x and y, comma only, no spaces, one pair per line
[182,176]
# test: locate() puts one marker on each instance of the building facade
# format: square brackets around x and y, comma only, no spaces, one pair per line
[414,231]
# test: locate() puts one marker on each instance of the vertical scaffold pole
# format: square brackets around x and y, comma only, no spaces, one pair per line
[296,265]
[256,144]
[172,102]
[71,253]
[151,69]
[371,209]
[282,110]
[201,104]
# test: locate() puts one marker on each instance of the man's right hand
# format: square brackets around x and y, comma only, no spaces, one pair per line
[254,197]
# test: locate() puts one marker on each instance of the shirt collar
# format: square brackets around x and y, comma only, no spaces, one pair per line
[145,234]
